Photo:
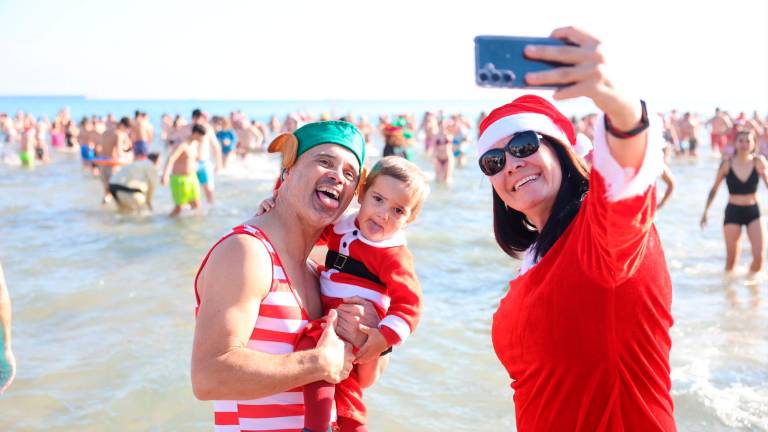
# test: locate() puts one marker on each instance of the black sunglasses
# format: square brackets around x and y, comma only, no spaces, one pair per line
[521,145]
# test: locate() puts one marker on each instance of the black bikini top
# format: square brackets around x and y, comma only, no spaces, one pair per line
[738,187]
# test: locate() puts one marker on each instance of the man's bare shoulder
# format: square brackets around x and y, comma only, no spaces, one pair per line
[242,246]
[239,262]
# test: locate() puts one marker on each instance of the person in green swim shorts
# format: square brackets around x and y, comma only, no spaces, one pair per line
[181,171]
[28,142]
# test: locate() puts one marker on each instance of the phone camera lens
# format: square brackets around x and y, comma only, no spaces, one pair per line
[495,76]
[506,77]
[483,76]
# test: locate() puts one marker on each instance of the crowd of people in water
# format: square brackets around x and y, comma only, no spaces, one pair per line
[125,153]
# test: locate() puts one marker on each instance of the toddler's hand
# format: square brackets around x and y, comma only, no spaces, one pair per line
[373,346]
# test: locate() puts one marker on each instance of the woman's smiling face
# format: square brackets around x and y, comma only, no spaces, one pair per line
[529,185]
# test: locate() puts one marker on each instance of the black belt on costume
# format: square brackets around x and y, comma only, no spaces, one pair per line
[345,264]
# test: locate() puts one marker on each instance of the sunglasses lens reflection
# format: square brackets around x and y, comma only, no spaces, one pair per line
[523,144]
[492,161]
[522,149]
[520,146]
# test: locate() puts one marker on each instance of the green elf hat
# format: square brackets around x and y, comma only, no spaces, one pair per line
[337,132]
[314,134]
[293,145]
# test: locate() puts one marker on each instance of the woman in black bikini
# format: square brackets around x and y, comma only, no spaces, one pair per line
[442,155]
[742,208]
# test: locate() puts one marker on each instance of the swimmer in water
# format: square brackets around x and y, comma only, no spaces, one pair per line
[134,185]
[142,130]
[181,171]
[28,144]
[227,138]
[108,153]
[742,174]
[208,148]
[720,125]
[442,155]
[88,141]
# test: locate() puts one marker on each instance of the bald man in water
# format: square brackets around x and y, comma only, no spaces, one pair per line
[109,150]
[141,129]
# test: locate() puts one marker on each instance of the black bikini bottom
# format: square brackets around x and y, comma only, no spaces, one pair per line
[741,215]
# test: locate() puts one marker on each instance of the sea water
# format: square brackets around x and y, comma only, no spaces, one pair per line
[104,305]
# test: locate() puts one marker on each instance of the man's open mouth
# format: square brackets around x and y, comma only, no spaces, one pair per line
[328,196]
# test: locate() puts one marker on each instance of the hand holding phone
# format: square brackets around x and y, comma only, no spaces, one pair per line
[501,61]
[570,60]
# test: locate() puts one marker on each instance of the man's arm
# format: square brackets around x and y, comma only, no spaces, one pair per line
[669,179]
[237,277]
[216,147]
[755,126]
[172,156]
[259,137]
[7,360]
[151,184]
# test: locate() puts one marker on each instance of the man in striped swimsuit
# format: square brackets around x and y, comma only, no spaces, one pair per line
[255,292]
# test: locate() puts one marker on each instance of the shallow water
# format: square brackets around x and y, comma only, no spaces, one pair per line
[103,309]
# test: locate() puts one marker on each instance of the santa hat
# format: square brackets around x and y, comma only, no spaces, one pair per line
[532,113]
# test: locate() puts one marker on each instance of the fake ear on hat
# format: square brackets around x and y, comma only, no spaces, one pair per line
[361,181]
[287,144]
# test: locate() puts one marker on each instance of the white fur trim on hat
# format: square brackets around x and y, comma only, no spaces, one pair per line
[513,124]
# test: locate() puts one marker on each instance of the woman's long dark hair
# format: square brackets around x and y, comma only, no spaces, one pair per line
[514,233]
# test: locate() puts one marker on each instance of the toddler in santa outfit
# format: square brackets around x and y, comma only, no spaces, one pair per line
[368,258]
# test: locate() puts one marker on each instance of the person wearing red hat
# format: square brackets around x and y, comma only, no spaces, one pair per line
[584,328]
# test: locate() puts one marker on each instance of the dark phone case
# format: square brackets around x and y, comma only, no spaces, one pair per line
[502,57]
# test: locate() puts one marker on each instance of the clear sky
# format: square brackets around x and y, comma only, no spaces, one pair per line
[676,53]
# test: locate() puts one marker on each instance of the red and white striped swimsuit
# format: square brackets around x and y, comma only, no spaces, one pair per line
[280,322]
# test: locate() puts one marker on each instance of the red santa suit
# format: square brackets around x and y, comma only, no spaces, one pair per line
[584,332]
[396,295]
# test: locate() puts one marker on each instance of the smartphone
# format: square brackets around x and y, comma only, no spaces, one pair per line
[500,61]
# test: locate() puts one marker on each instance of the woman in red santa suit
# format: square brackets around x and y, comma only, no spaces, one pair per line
[584,328]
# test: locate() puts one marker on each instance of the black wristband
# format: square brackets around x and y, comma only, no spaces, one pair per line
[643,125]
[386,351]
